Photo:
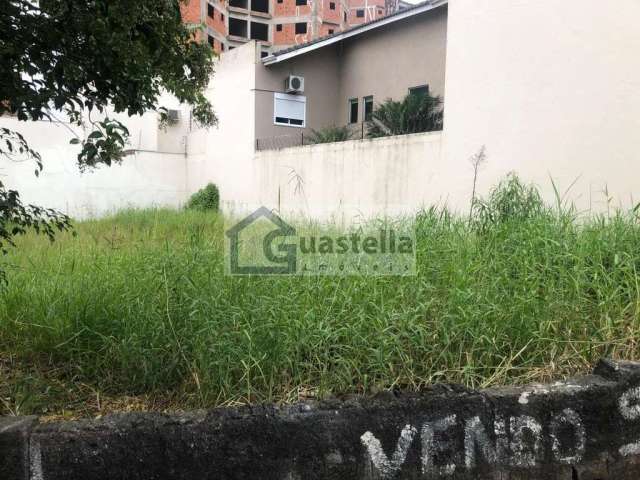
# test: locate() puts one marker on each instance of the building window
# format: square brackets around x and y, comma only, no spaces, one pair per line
[300,3]
[210,10]
[367,103]
[264,54]
[331,31]
[353,110]
[360,13]
[260,31]
[289,110]
[222,47]
[221,17]
[332,5]
[280,1]
[421,90]
[279,27]
[211,41]
[238,27]
[301,28]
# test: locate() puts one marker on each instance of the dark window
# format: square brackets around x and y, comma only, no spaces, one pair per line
[331,31]
[345,16]
[379,12]
[353,110]
[239,4]
[360,13]
[264,54]
[211,41]
[210,10]
[280,1]
[222,17]
[237,27]
[301,2]
[421,90]
[222,46]
[279,27]
[260,6]
[332,5]
[368,108]
[259,31]
[301,28]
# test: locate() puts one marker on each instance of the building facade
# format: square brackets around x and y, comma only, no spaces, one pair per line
[277,24]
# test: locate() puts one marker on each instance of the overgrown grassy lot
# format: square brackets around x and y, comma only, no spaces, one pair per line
[135,312]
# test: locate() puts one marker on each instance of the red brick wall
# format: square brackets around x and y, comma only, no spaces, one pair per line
[325,27]
[288,36]
[190,11]
[217,23]
[375,9]
[288,8]
[332,15]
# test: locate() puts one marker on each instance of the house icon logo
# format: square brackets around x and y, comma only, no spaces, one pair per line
[282,257]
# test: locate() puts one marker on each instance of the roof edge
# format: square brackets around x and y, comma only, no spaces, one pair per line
[365,27]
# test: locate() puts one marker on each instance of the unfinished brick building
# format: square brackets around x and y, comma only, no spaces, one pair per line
[278,24]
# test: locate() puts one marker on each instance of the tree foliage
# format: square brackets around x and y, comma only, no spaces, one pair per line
[84,57]
[207,198]
[416,113]
[331,134]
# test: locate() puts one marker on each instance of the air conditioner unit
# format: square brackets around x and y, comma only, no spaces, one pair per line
[173,116]
[294,84]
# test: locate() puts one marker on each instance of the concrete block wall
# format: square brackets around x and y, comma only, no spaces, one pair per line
[586,428]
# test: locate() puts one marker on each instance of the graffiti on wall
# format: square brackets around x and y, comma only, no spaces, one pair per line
[516,441]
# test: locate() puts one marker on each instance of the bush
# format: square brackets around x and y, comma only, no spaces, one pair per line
[511,200]
[330,135]
[414,114]
[207,198]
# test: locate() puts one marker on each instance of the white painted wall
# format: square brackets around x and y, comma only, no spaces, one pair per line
[387,175]
[224,154]
[552,88]
[146,178]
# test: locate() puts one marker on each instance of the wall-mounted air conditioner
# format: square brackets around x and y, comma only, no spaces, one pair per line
[173,116]
[294,84]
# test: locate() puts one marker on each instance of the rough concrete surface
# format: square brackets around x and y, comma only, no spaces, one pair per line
[587,428]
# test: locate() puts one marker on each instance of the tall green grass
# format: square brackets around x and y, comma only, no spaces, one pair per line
[138,304]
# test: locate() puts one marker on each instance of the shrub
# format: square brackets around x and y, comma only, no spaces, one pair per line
[511,200]
[414,114]
[330,134]
[207,198]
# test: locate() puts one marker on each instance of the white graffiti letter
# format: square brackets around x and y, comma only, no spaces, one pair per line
[475,435]
[570,418]
[525,453]
[430,446]
[629,406]
[388,468]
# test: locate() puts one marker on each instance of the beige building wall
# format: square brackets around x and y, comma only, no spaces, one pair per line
[384,62]
[389,60]
[552,88]
[320,71]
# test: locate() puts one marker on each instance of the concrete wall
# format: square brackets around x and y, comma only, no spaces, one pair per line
[552,89]
[386,175]
[585,428]
[385,63]
[154,175]
[320,70]
[224,154]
